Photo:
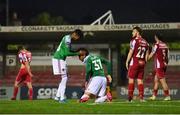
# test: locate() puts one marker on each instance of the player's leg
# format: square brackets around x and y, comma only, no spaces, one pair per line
[85,97]
[141,84]
[58,93]
[56,72]
[62,87]
[15,90]
[131,75]
[155,88]
[108,91]
[60,69]
[17,84]
[93,88]
[166,89]
[29,85]
[161,73]
[101,96]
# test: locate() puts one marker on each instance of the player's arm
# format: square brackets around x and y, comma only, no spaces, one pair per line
[88,71]
[108,66]
[147,55]
[69,52]
[167,58]
[130,54]
[152,52]
[129,57]
[26,64]
[107,63]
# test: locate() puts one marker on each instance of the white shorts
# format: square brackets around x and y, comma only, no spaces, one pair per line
[59,67]
[97,86]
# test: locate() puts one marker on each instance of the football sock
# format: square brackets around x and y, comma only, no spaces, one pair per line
[130,90]
[63,87]
[58,94]
[108,89]
[15,92]
[101,99]
[155,91]
[166,92]
[141,90]
[30,94]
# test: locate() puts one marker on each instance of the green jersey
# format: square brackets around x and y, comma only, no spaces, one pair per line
[63,49]
[94,66]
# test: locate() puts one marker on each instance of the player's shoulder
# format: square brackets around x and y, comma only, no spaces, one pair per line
[22,52]
[67,36]
[93,57]
[132,39]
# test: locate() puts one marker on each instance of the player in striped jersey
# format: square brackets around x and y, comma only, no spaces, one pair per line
[24,75]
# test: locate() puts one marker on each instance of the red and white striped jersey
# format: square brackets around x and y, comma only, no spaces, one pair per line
[24,56]
[161,52]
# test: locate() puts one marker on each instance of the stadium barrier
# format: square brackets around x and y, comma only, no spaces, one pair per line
[122,92]
[6,93]
[49,92]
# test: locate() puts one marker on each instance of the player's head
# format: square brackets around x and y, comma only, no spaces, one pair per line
[158,37]
[136,31]
[83,53]
[77,34]
[21,47]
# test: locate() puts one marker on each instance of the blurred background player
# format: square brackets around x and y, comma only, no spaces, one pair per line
[138,54]
[24,74]
[95,78]
[161,52]
[59,63]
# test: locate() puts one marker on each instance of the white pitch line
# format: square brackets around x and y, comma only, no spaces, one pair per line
[138,104]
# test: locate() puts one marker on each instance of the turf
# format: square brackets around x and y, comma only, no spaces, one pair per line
[72,107]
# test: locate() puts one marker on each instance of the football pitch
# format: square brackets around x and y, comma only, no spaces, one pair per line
[72,107]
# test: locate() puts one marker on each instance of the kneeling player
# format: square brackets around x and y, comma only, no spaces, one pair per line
[95,79]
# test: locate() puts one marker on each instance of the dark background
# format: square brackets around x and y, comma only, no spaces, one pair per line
[87,11]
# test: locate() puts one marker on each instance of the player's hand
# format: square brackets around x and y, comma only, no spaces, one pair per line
[127,65]
[31,75]
[109,78]
[86,84]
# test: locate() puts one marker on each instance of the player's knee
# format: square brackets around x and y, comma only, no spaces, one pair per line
[131,80]
[140,81]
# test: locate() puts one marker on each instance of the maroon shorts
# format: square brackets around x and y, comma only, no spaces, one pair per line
[136,72]
[160,72]
[23,76]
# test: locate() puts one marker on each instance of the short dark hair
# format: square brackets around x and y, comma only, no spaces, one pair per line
[21,47]
[79,33]
[138,29]
[159,36]
[85,50]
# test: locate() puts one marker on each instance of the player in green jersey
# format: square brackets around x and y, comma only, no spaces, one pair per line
[59,61]
[95,77]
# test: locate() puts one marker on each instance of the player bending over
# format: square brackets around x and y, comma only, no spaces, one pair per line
[59,61]
[24,75]
[161,51]
[95,78]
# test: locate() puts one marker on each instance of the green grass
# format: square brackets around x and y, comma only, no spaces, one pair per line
[117,106]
